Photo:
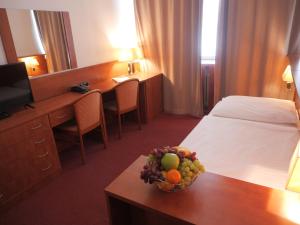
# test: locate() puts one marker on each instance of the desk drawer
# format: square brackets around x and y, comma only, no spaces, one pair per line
[61,115]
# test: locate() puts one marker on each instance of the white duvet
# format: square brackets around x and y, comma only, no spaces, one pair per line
[256,152]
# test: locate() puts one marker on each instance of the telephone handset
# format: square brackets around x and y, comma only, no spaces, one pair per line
[81,88]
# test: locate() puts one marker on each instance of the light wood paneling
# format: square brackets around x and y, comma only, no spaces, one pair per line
[26,161]
[51,85]
[61,115]
[211,200]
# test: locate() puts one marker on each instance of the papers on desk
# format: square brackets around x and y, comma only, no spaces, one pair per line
[120,79]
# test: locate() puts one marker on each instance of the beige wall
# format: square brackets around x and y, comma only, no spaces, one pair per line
[2,54]
[22,31]
[96,24]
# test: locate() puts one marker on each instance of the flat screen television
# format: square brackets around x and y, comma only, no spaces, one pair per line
[15,89]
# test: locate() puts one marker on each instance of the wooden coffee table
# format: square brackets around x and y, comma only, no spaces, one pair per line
[211,200]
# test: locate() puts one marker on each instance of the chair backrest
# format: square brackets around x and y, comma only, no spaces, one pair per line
[89,111]
[127,94]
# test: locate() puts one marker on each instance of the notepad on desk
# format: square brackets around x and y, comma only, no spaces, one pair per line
[120,79]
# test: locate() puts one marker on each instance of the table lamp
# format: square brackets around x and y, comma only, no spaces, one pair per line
[31,62]
[287,76]
[131,56]
[293,183]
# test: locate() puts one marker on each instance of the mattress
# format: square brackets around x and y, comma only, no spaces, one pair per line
[255,152]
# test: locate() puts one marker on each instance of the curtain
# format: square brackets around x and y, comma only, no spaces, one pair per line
[53,35]
[294,45]
[252,47]
[170,36]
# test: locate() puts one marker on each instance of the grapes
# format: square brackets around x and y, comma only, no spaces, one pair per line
[189,166]
[151,172]
[189,169]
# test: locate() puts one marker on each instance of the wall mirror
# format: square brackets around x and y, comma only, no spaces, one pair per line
[41,39]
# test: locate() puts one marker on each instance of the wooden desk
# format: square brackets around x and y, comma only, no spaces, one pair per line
[28,153]
[211,200]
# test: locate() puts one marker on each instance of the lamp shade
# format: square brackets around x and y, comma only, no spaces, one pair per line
[130,54]
[30,61]
[287,75]
[293,183]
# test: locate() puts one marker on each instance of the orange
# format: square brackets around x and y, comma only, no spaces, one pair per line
[173,176]
[185,151]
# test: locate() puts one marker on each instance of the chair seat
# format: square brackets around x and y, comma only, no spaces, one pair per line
[112,106]
[69,126]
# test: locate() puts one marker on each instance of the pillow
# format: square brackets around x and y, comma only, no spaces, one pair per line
[260,109]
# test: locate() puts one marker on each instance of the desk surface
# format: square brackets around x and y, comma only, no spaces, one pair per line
[211,200]
[60,101]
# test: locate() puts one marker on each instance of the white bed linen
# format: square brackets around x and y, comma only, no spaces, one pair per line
[260,109]
[256,152]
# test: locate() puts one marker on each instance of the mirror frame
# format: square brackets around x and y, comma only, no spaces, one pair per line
[9,46]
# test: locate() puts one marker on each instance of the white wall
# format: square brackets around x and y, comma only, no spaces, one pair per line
[95,24]
[2,54]
[22,31]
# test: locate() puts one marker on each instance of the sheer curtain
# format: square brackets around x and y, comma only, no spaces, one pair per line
[252,47]
[53,35]
[294,45]
[170,35]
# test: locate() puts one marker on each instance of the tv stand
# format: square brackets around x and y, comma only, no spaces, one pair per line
[4,115]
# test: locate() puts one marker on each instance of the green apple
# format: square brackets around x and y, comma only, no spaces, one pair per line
[170,161]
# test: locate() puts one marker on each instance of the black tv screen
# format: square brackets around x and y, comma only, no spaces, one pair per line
[15,89]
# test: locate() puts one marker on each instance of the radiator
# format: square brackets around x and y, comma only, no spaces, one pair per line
[207,73]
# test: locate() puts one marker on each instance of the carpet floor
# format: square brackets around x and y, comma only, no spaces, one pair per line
[76,196]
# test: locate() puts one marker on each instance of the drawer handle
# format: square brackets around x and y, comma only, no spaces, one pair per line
[43,155]
[61,116]
[47,168]
[36,127]
[40,141]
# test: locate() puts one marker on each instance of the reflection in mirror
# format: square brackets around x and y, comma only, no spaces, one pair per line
[41,40]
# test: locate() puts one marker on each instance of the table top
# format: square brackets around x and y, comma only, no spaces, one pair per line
[57,102]
[211,200]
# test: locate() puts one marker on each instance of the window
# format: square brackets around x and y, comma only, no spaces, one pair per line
[209,30]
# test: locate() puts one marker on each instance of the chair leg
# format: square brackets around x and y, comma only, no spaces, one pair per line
[120,125]
[104,135]
[82,151]
[139,117]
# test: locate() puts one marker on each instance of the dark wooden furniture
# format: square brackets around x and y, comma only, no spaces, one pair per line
[28,153]
[211,200]
[127,100]
[89,115]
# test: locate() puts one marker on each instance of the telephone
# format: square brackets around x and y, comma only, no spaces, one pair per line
[81,88]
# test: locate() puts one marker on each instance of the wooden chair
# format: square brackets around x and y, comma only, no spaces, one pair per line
[127,100]
[89,115]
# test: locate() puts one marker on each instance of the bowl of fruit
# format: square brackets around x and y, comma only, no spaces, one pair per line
[171,168]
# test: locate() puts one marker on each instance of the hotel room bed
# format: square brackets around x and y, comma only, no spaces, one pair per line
[248,138]
[259,109]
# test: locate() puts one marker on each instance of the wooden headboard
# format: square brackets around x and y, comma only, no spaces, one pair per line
[295,64]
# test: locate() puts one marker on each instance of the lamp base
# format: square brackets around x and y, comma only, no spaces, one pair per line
[131,69]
